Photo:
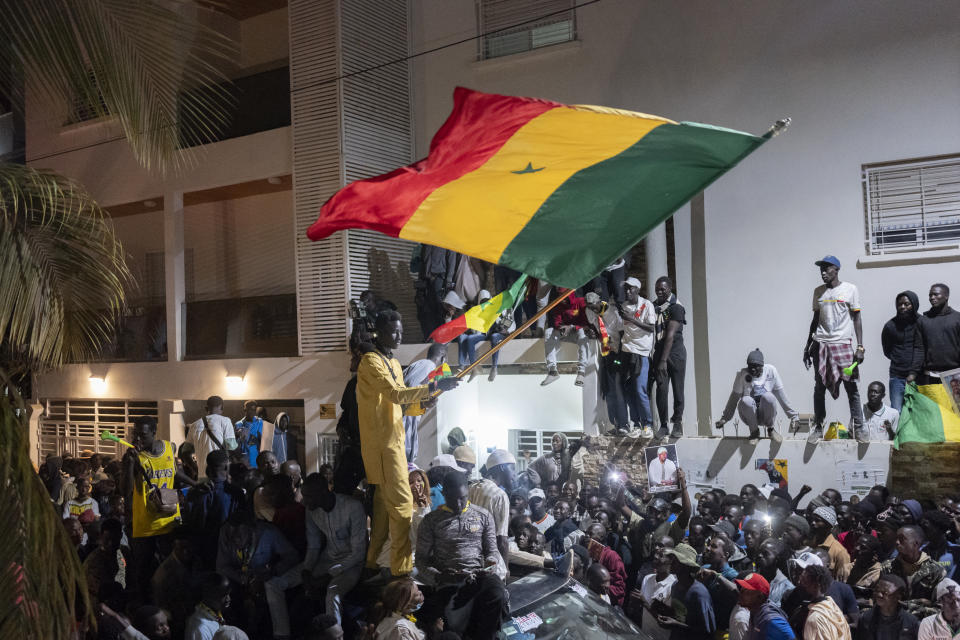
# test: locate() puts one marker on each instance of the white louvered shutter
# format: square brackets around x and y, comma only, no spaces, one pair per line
[317,172]
[912,204]
[346,130]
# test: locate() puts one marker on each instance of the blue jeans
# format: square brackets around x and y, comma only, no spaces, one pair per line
[638,400]
[467,346]
[896,389]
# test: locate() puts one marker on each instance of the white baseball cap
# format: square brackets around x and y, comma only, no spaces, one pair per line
[632,282]
[454,300]
[445,460]
[483,295]
[807,559]
[498,457]
[536,492]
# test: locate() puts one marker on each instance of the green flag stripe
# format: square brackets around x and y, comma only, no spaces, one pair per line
[920,419]
[600,212]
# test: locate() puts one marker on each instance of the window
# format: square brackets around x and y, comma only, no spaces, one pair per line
[88,102]
[514,26]
[912,204]
[528,445]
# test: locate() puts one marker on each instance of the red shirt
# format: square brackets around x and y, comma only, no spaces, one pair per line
[569,312]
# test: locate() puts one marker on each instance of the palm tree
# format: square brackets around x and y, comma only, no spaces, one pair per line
[152,67]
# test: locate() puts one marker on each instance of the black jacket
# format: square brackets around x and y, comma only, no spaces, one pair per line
[941,336]
[903,342]
[904,627]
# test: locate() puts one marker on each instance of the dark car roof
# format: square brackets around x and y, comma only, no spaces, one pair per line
[534,587]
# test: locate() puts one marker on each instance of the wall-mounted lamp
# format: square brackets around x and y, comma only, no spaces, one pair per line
[235,384]
[98,384]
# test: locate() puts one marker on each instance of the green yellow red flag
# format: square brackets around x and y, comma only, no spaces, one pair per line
[481,317]
[555,191]
[927,416]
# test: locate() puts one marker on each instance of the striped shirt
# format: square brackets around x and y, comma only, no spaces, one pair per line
[451,546]
[488,495]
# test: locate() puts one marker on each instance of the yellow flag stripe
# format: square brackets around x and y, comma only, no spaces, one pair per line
[481,212]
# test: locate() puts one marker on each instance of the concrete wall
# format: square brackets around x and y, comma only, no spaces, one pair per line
[863,82]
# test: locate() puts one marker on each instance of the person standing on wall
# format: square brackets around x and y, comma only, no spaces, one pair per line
[940,327]
[903,345]
[639,324]
[380,394]
[834,330]
[669,356]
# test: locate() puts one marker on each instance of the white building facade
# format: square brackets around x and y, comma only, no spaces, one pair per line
[864,83]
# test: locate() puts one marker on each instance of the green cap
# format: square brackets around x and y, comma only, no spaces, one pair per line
[686,554]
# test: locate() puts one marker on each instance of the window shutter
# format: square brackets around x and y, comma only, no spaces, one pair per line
[912,204]
[522,25]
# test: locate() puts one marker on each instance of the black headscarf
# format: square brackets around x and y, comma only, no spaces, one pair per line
[912,318]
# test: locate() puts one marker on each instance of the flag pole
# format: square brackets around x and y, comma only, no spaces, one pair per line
[513,335]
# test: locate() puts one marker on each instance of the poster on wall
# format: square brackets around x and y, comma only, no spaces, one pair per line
[776,469]
[662,467]
[951,382]
[857,478]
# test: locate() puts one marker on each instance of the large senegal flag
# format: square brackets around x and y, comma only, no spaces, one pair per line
[927,416]
[555,191]
[481,317]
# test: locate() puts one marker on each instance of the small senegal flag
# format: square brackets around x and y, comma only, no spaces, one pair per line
[927,416]
[443,371]
[555,191]
[481,317]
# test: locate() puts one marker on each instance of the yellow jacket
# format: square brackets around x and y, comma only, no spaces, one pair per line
[380,394]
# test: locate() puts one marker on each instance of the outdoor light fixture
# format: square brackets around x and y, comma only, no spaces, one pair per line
[274,180]
[150,203]
[98,383]
[235,384]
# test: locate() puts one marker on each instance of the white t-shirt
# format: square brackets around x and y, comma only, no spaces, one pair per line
[77,507]
[662,473]
[222,428]
[635,339]
[650,591]
[835,306]
[739,623]
[874,421]
[767,381]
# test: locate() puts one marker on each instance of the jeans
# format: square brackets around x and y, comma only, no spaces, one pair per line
[635,382]
[896,388]
[820,391]
[551,344]
[611,376]
[467,347]
[676,370]
[276,592]
[758,411]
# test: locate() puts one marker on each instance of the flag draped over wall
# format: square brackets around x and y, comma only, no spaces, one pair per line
[927,416]
[554,191]
[481,317]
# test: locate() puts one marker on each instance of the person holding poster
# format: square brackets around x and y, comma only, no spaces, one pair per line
[661,469]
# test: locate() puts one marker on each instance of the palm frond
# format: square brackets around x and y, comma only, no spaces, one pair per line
[62,270]
[130,59]
[41,580]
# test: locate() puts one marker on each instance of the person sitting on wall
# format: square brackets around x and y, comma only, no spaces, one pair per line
[756,389]
[567,321]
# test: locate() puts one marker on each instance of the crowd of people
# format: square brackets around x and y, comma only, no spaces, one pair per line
[224,537]
[642,353]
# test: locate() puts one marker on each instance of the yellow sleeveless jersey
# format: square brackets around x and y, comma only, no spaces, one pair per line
[160,469]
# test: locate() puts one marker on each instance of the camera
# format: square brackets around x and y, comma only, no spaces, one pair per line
[357,311]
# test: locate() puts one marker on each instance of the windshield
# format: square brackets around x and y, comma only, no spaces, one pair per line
[570,613]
